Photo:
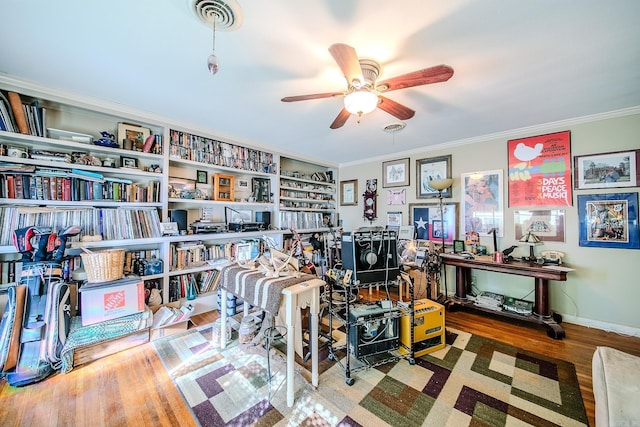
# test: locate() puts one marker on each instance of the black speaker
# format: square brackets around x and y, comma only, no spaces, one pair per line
[371,256]
[264,217]
[179,216]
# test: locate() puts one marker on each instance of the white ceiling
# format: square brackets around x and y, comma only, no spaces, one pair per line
[517,64]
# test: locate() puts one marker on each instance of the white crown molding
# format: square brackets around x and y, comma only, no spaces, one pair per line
[508,134]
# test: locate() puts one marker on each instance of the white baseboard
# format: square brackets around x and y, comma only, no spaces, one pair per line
[589,323]
[605,326]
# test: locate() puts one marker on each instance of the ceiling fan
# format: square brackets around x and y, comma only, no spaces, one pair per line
[364,92]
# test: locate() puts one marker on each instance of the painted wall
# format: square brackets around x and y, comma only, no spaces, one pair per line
[604,291]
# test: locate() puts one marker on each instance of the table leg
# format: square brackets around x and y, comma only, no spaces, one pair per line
[291,332]
[223,318]
[541,303]
[313,340]
[461,283]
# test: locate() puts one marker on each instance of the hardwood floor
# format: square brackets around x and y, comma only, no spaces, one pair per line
[133,387]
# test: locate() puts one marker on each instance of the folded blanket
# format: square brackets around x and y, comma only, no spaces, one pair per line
[80,336]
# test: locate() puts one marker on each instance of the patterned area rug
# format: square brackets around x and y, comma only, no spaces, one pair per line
[473,381]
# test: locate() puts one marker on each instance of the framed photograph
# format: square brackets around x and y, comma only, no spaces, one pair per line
[349,192]
[609,220]
[242,184]
[202,177]
[395,173]
[135,133]
[482,202]
[397,197]
[607,170]
[428,170]
[458,246]
[128,162]
[261,189]
[428,223]
[548,225]
[540,170]
[394,219]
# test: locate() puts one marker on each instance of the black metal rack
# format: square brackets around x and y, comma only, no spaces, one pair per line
[341,314]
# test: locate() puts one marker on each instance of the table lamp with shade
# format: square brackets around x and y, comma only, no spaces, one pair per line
[531,240]
[440,185]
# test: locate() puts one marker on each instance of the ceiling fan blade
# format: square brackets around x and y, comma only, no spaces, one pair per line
[397,110]
[341,119]
[437,74]
[347,59]
[312,96]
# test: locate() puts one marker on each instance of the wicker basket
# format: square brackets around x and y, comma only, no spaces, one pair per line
[103,266]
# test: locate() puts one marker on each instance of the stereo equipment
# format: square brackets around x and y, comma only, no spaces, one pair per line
[245,226]
[200,227]
[428,328]
[179,216]
[264,218]
[373,330]
[371,255]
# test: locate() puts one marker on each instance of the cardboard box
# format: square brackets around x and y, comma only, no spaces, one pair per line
[171,328]
[111,301]
[168,330]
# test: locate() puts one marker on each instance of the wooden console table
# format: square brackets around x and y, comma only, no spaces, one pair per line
[542,314]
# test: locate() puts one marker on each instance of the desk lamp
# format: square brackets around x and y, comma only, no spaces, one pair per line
[532,240]
[440,185]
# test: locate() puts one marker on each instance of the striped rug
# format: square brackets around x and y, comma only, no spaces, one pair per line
[472,382]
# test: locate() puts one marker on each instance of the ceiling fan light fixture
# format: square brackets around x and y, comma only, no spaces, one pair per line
[360,102]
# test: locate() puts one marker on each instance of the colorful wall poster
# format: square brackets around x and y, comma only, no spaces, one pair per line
[540,170]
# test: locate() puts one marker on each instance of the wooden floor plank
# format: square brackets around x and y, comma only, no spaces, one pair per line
[133,387]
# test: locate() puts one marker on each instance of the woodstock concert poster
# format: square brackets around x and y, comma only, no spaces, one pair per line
[540,170]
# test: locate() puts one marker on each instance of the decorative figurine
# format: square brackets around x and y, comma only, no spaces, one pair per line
[107,140]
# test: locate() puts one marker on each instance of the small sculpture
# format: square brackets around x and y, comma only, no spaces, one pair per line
[107,140]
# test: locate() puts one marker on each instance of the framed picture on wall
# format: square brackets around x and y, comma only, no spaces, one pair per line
[202,177]
[349,193]
[607,170]
[482,202]
[428,222]
[609,220]
[395,173]
[548,225]
[428,170]
[540,170]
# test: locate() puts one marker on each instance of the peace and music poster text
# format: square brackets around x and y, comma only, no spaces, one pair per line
[540,170]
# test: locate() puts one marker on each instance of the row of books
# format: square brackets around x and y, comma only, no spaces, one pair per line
[187,146]
[195,254]
[109,223]
[301,220]
[11,270]
[72,189]
[304,194]
[203,282]
[15,116]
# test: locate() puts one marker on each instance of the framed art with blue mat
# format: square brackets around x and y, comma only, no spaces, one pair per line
[609,220]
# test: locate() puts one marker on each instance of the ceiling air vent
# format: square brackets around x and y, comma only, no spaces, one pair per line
[394,127]
[227,13]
